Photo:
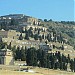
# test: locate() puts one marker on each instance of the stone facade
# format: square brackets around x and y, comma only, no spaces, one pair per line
[9,34]
[44,47]
[6,57]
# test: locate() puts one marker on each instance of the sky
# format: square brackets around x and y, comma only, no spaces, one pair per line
[58,10]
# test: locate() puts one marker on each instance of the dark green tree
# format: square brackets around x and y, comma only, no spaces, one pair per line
[72,65]
[21,37]
[14,51]
[27,36]
[43,36]
[9,46]
[23,56]
[2,45]
[62,47]
[50,20]
[45,20]
[18,53]
[74,47]
[68,59]
[13,22]
[36,36]
[40,38]
[31,57]
[48,61]
[39,55]
[43,60]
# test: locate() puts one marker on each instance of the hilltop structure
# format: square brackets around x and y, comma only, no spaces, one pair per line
[20,18]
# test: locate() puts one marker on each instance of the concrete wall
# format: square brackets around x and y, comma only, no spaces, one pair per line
[4,34]
[9,60]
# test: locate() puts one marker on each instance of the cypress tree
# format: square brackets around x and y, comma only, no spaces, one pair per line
[48,61]
[9,46]
[21,37]
[31,57]
[27,36]
[72,65]
[44,59]
[23,56]
[18,53]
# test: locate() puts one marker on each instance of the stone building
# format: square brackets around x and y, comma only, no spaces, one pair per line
[9,34]
[44,47]
[31,20]
[20,18]
[6,57]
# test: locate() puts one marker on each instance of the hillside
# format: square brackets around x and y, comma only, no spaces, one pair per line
[46,44]
[66,29]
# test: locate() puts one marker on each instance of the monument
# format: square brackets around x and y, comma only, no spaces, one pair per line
[6,57]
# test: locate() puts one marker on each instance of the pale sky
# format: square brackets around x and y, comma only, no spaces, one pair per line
[44,9]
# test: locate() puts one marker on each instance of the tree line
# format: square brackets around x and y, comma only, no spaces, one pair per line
[43,59]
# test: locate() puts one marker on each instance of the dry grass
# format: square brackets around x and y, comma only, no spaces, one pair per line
[38,71]
[52,72]
[7,72]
